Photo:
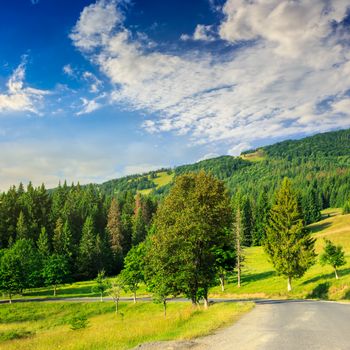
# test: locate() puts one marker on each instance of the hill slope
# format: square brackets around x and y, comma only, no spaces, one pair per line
[320,163]
[260,280]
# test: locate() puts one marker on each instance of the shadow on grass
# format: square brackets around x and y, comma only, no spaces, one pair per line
[346,295]
[320,292]
[79,290]
[248,278]
[331,275]
[320,227]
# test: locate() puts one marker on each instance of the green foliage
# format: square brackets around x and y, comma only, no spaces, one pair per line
[14,334]
[56,271]
[102,284]
[333,255]
[43,244]
[79,322]
[288,243]
[346,208]
[190,224]
[133,273]
[19,267]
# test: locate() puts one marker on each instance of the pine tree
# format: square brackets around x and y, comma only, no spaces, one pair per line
[115,229]
[138,229]
[288,243]
[333,255]
[57,237]
[261,211]
[86,257]
[43,244]
[22,227]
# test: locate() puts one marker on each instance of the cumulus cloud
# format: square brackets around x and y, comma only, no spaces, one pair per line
[238,149]
[201,33]
[18,97]
[88,106]
[208,156]
[291,58]
[68,70]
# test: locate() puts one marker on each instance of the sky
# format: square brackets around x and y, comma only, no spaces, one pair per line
[94,90]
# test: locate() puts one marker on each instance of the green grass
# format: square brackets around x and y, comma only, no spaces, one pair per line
[261,281]
[43,326]
[162,179]
[257,156]
[74,290]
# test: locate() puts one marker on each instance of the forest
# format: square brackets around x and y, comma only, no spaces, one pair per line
[74,231]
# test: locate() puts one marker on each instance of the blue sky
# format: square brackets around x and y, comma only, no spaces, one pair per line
[92,90]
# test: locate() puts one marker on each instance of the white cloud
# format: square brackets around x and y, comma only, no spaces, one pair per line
[88,106]
[95,83]
[272,86]
[201,33]
[208,156]
[68,69]
[18,97]
[238,149]
[140,168]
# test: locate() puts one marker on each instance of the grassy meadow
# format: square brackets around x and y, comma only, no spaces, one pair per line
[259,279]
[162,179]
[43,326]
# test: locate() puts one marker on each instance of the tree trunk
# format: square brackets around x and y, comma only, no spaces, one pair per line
[238,246]
[116,306]
[134,297]
[101,297]
[289,286]
[206,303]
[336,273]
[10,298]
[54,290]
[222,282]
[164,307]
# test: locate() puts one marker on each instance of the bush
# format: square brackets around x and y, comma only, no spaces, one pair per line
[79,322]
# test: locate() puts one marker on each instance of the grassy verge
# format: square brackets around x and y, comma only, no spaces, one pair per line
[36,326]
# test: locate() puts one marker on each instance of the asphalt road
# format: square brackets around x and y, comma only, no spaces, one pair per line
[285,325]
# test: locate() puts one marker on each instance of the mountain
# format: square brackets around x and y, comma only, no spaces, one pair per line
[320,163]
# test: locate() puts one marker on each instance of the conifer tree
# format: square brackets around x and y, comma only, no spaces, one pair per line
[288,243]
[115,229]
[262,209]
[86,257]
[22,227]
[43,244]
[57,237]
[333,255]
[238,233]
[138,228]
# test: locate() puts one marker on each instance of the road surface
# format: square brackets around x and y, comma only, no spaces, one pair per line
[279,325]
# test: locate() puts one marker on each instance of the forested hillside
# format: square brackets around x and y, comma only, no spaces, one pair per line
[94,226]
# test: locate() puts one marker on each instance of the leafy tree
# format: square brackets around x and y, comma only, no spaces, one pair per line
[102,284]
[225,260]
[56,271]
[190,224]
[333,255]
[115,291]
[133,273]
[288,243]
[19,268]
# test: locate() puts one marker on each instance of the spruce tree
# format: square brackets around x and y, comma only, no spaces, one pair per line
[22,227]
[86,257]
[115,229]
[288,243]
[333,255]
[43,244]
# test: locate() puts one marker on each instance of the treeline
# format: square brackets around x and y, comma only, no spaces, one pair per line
[89,229]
